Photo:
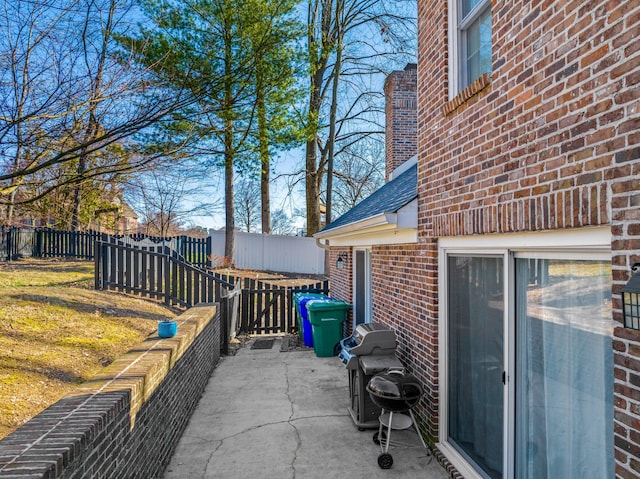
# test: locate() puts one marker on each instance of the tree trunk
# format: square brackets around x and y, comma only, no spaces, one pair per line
[229,153]
[92,129]
[77,195]
[319,48]
[333,112]
[263,139]
[229,221]
[311,190]
[311,161]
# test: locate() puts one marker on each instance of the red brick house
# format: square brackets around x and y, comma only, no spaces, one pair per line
[505,296]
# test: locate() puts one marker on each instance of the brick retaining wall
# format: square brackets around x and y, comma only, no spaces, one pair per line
[126,421]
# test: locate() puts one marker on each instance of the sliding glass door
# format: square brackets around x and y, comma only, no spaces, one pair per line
[475,360]
[564,388]
[528,364]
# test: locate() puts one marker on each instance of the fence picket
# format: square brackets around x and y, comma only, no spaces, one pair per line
[244,308]
[283,311]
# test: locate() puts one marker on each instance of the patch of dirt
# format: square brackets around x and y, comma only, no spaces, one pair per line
[293,342]
[280,279]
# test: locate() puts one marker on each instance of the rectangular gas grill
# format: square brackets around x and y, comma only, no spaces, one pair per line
[371,350]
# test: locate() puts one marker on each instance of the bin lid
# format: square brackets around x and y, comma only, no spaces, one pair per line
[305,301]
[327,305]
[301,295]
[312,299]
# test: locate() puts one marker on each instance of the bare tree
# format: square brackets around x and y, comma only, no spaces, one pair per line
[350,42]
[166,197]
[281,223]
[56,208]
[66,94]
[359,173]
[248,207]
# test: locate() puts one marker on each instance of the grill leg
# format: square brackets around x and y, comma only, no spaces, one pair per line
[415,425]
[380,431]
[388,440]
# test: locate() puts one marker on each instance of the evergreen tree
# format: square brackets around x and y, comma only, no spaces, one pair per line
[213,48]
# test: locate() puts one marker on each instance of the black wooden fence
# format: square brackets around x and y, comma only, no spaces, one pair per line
[49,243]
[268,308]
[264,307]
[163,275]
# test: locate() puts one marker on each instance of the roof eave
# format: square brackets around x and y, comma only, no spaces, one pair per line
[383,228]
[367,223]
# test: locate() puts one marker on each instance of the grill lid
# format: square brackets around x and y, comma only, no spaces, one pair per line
[395,385]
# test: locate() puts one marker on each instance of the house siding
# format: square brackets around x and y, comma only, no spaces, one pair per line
[549,143]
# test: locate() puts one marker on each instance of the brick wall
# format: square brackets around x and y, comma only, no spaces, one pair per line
[403,304]
[549,140]
[342,282]
[125,422]
[401,117]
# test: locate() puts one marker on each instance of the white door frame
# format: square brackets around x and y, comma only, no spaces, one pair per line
[583,243]
[366,272]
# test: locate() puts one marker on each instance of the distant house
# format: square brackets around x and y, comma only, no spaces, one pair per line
[124,217]
[127,218]
[504,286]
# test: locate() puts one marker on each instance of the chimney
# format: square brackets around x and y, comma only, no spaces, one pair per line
[401,131]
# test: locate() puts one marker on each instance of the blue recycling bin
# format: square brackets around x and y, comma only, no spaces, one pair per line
[301,300]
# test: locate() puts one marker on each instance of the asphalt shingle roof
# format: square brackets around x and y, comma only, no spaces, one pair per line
[388,199]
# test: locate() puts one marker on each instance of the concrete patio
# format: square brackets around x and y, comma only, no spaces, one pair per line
[268,413]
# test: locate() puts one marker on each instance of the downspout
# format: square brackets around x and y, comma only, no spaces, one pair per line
[326,248]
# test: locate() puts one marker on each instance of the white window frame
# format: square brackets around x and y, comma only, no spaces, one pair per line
[368,309]
[581,244]
[457,44]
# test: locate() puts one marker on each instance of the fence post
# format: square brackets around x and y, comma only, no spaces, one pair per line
[167,277]
[4,235]
[97,263]
[9,243]
[209,252]
[224,324]
[37,246]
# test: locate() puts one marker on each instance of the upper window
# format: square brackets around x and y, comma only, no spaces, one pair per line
[470,42]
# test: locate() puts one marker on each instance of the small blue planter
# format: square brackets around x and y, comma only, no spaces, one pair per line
[167,329]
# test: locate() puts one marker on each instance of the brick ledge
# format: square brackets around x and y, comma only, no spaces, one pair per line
[465,95]
[93,432]
[142,369]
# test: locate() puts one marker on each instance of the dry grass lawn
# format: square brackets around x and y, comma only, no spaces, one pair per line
[56,332]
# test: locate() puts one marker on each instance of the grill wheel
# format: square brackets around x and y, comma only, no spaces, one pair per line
[385,461]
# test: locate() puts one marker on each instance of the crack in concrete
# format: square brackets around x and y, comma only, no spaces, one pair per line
[290,422]
[210,458]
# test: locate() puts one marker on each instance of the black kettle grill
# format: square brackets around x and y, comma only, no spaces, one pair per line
[395,392]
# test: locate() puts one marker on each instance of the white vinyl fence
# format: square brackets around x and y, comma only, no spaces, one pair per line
[285,254]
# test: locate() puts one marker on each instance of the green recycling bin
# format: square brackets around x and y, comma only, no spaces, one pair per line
[326,318]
